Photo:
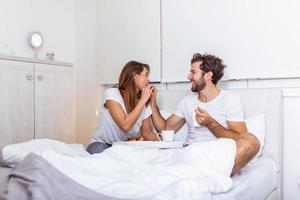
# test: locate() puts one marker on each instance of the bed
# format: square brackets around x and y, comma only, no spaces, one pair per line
[261,179]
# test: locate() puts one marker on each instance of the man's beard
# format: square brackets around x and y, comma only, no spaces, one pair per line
[198,86]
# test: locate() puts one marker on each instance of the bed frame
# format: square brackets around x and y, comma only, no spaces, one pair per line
[255,101]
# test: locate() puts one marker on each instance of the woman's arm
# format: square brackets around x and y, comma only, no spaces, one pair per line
[126,122]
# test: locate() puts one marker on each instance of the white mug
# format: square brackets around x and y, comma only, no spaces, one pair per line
[195,123]
[167,136]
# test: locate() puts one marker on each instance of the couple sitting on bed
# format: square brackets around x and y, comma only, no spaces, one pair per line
[129,109]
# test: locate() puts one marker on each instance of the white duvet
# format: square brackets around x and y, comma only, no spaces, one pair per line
[194,172]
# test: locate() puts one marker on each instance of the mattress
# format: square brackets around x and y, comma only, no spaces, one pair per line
[255,181]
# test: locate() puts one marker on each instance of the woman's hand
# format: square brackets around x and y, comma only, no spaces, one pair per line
[146,93]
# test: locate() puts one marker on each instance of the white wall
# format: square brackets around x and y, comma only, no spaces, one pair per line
[55,19]
[86,69]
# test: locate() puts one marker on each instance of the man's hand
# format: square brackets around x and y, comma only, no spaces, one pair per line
[233,131]
[202,117]
[153,96]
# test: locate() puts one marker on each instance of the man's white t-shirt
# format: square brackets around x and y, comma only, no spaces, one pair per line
[107,130]
[225,107]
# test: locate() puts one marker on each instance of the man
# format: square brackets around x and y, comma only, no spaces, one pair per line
[211,113]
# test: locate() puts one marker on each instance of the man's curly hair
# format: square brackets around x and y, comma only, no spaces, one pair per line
[210,63]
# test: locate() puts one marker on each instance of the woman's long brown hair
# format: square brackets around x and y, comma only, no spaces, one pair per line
[126,85]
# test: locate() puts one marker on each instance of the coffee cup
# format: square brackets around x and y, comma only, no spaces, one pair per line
[195,123]
[166,136]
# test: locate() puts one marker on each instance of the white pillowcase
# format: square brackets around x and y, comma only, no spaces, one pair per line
[256,126]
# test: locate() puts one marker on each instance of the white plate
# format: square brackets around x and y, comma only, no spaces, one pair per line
[153,144]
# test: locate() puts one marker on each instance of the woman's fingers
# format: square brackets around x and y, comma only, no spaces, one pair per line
[147,91]
[149,88]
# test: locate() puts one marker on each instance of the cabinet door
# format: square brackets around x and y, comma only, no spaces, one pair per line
[128,30]
[16,102]
[54,102]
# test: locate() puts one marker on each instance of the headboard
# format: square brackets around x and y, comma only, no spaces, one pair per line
[268,101]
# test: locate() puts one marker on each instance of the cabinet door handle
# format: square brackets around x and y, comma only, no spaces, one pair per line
[40,77]
[29,77]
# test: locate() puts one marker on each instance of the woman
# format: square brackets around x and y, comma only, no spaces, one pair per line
[125,113]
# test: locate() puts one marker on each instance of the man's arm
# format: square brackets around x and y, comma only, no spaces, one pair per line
[147,130]
[233,131]
[158,121]
[174,123]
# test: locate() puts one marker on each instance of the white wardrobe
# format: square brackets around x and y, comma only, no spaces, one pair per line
[37,100]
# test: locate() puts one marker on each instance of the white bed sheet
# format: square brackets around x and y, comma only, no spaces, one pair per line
[255,181]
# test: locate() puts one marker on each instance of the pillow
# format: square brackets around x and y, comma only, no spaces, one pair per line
[182,133]
[256,126]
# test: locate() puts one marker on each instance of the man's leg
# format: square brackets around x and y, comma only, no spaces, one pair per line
[247,147]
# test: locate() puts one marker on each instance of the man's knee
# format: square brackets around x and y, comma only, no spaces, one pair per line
[250,143]
[247,147]
[255,144]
